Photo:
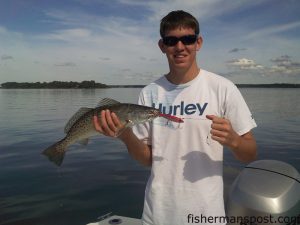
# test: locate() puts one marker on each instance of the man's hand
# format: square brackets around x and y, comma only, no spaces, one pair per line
[243,147]
[222,132]
[109,124]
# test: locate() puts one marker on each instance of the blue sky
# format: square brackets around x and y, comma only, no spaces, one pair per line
[115,42]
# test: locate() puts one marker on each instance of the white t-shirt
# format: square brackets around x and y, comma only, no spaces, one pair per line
[186,184]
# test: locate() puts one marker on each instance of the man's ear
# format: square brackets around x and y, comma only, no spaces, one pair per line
[161,46]
[199,43]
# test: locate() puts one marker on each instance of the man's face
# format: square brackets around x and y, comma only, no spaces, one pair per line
[181,56]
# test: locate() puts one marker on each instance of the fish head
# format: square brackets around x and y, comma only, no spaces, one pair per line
[151,114]
[141,114]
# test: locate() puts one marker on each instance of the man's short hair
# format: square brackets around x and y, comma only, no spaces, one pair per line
[176,19]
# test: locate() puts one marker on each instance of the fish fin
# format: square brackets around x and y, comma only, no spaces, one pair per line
[75,117]
[108,101]
[56,152]
[84,141]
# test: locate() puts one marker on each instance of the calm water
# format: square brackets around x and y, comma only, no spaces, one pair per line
[101,177]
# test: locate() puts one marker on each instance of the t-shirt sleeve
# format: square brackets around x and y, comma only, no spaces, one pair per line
[143,131]
[237,111]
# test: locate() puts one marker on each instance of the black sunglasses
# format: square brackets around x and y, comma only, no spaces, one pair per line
[186,40]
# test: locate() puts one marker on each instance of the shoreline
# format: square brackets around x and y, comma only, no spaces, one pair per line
[94,85]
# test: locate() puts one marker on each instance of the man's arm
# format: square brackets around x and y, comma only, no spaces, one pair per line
[136,148]
[109,125]
[243,147]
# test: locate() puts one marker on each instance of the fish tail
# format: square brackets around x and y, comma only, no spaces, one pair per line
[56,152]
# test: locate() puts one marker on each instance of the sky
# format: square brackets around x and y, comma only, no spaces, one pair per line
[115,41]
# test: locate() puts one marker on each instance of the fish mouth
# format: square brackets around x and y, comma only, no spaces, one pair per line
[153,114]
[156,113]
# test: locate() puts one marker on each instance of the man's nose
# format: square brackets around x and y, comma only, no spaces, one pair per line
[179,45]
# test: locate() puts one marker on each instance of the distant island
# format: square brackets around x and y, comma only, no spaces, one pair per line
[92,84]
[276,85]
[53,85]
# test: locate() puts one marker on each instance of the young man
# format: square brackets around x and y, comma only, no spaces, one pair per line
[186,185]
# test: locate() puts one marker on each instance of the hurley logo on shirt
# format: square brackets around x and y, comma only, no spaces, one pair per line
[182,108]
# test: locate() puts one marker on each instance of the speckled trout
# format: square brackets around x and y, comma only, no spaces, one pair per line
[80,127]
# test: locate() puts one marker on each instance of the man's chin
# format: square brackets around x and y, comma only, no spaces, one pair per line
[181,65]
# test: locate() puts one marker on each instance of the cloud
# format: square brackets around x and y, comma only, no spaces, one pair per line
[244,64]
[145,76]
[9,34]
[234,50]
[122,36]
[117,42]
[285,65]
[268,31]
[69,35]
[6,57]
[282,60]
[201,9]
[114,35]
[126,70]
[104,58]
[86,23]
[66,64]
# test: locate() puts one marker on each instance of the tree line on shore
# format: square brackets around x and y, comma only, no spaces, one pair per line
[54,84]
[93,84]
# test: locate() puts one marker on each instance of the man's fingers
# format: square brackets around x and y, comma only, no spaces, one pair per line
[96,124]
[220,126]
[221,140]
[110,121]
[116,120]
[215,119]
[104,124]
[221,129]
[218,133]
[219,136]
[210,117]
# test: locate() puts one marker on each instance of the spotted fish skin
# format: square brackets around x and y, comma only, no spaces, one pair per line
[80,127]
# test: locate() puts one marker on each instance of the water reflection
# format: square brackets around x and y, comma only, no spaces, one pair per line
[102,177]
